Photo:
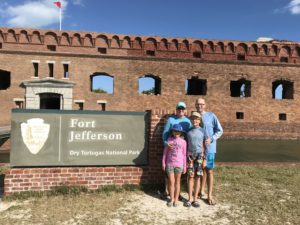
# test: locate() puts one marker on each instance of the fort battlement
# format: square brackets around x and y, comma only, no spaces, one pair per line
[91,43]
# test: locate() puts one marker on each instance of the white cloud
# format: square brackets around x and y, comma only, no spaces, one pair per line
[78,2]
[294,6]
[35,14]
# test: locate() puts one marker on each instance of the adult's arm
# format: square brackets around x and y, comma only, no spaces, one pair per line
[218,130]
[166,132]
[164,158]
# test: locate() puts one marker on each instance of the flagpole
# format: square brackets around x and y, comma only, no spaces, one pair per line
[60,18]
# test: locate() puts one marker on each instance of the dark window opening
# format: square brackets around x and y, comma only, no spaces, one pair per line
[195,86]
[19,104]
[102,83]
[4,80]
[240,88]
[51,69]
[51,48]
[150,85]
[150,53]
[0,45]
[282,116]
[241,57]
[284,59]
[50,101]
[66,70]
[80,104]
[102,106]
[36,69]
[239,115]
[197,55]
[102,50]
[282,89]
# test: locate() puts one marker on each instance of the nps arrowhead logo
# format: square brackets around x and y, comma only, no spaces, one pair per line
[35,133]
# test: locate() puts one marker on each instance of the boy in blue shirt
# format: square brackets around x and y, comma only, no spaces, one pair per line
[196,158]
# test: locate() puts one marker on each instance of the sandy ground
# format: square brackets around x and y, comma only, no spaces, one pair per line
[144,208]
[153,210]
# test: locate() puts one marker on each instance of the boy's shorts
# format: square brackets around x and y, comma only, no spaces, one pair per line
[210,161]
[195,165]
[174,169]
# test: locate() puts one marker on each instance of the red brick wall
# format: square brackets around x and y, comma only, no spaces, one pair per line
[43,179]
[126,60]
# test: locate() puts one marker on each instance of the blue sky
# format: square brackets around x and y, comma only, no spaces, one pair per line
[243,20]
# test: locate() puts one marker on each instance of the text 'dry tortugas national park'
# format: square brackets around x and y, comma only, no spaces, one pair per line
[60,128]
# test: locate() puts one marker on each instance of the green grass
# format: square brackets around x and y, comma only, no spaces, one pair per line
[264,194]
[268,194]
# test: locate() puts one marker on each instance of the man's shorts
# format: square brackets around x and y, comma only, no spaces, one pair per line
[172,169]
[210,161]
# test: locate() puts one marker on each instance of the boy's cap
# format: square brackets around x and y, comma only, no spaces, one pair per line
[196,114]
[177,127]
[180,105]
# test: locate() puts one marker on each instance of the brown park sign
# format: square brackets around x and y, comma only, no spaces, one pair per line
[78,138]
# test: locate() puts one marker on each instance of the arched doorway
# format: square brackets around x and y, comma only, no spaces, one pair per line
[50,101]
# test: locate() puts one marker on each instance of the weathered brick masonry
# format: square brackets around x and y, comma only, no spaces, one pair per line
[216,67]
[171,61]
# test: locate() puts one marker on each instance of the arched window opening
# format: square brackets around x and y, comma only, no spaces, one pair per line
[4,80]
[102,83]
[50,101]
[150,85]
[240,88]
[282,89]
[196,86]
[230,48]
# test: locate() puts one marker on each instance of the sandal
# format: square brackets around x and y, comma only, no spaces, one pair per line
[169,204]
[175,204]
[181,198]
[195,204]
[202,196]
[211,201]
[187,204]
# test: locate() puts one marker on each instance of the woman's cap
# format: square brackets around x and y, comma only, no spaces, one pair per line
[181,105]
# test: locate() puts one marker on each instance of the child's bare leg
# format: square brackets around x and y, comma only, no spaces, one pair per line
[171,186]
[197,187]
[166,186]
[203,183]
[190,187]
[177,186]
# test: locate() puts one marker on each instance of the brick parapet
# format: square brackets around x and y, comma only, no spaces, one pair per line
[87,43]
